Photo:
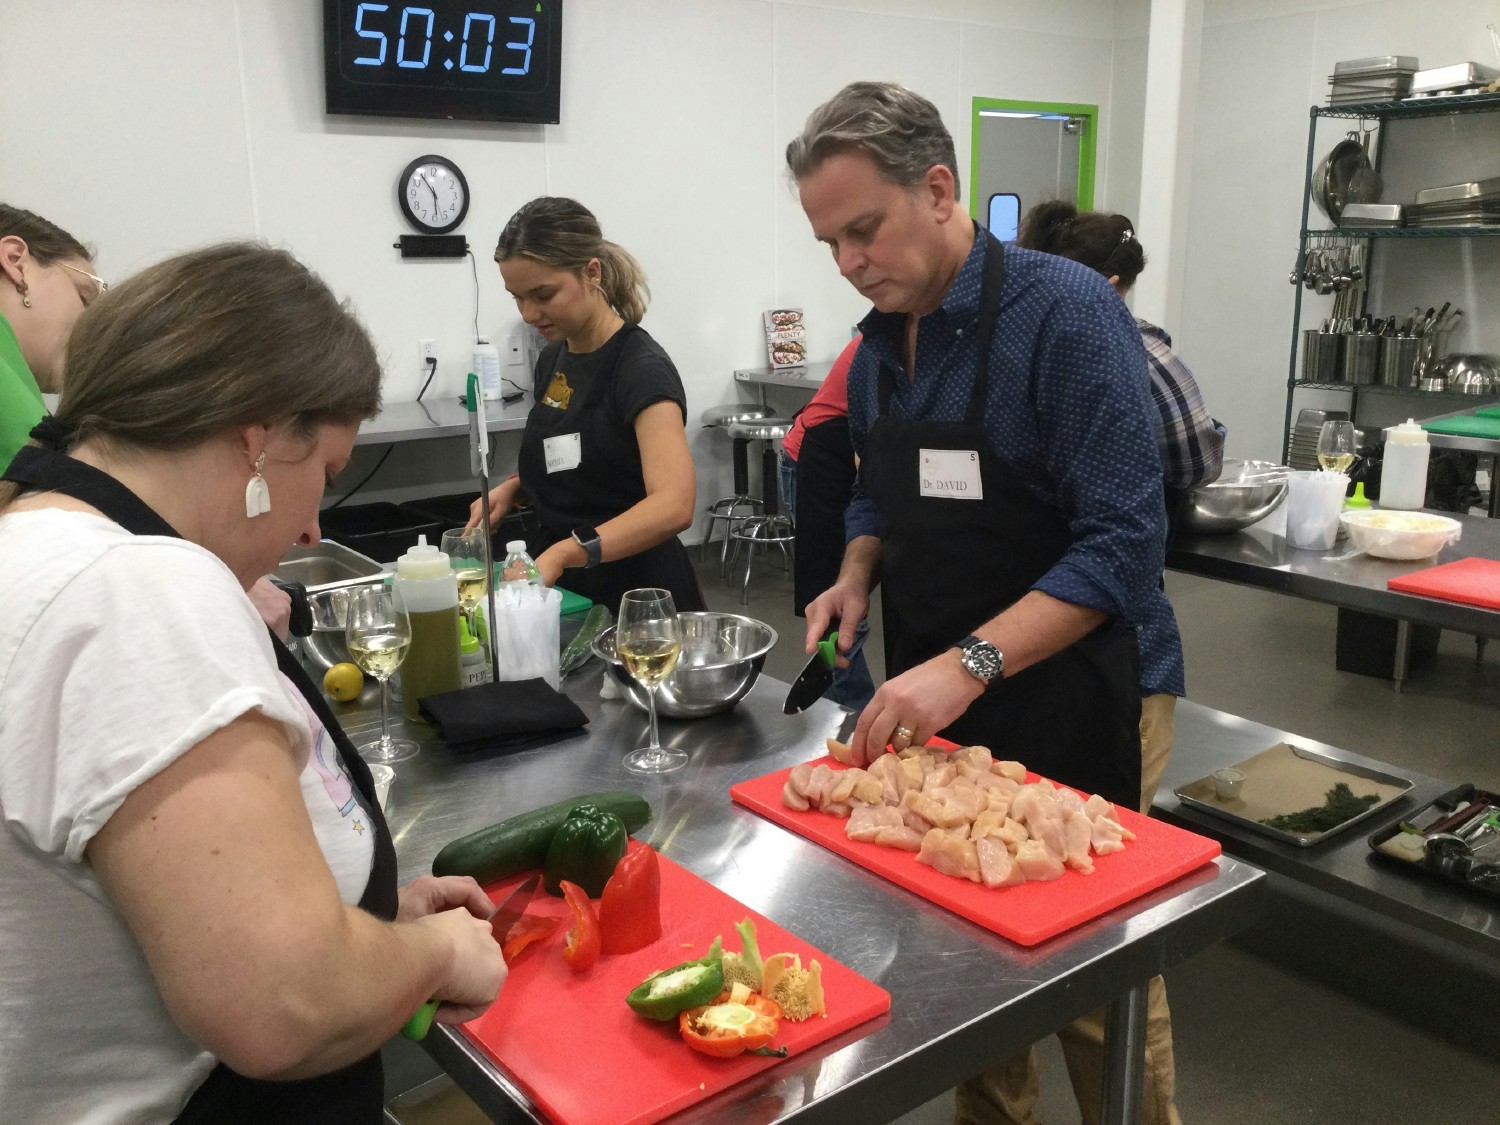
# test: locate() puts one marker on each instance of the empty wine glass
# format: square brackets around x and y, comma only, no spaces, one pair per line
[648,641]
[378,632]
[1336,446]
[467,556]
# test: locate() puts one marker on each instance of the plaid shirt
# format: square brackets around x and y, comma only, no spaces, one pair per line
[1192,442]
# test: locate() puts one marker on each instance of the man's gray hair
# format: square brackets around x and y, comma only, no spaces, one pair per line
[898,129]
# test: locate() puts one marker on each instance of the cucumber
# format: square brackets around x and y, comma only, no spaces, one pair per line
[579,649]
[520,843]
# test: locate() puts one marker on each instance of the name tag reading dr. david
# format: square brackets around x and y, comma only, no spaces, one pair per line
[950,473]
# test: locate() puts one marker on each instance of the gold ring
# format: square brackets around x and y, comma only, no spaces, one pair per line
[904,732]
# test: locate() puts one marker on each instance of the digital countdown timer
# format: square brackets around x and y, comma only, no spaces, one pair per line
[471,61]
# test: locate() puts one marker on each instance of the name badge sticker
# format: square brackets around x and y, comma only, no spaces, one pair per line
[951,474]
[563,452]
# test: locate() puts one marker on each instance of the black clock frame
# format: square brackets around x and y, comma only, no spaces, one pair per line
[406,211]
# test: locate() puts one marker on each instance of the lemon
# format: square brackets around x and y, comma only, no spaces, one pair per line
[344,682]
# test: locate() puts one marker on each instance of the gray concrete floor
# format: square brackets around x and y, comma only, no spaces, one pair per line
[1257,1040]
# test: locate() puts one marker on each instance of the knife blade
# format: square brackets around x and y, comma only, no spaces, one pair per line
[506,915]
[815,678]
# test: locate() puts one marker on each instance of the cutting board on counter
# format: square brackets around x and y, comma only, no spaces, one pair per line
[584,1058]
[1465,425]
[1027,914]
[1470,581]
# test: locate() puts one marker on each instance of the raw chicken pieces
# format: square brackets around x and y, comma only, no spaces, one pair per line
[964,814]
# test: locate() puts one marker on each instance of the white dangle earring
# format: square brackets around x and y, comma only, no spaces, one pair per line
[257,494]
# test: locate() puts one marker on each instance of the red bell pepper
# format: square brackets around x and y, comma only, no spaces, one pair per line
[527,929]
[738,1021]
[630,908]
[581,942]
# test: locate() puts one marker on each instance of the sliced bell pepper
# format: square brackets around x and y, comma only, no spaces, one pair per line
[527,929]
[584,850]
[630,908]
[738,1021]
[662,995]
[581,942]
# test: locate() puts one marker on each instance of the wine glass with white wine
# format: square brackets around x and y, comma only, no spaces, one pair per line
[1336,446]
[648,641]
[377,632]
[466,555]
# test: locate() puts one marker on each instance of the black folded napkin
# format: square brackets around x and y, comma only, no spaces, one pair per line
[502,716]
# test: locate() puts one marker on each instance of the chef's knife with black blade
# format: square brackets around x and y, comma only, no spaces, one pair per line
[815,678]
[506,915]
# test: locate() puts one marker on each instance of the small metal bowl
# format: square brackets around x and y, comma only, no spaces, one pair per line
[722,655]
[1468,373]
[1245,493]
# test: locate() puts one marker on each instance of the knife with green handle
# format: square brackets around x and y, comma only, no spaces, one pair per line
[816,677]
[506,915]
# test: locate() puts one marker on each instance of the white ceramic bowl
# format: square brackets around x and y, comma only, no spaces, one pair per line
[1399,535]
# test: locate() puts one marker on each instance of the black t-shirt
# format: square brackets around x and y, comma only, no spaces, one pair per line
[596,396]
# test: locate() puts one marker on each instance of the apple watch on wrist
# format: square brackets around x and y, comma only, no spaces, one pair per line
[981,659]
[588,539]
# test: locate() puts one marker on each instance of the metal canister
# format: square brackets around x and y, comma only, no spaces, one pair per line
[1320,356]
[1361,355]
[1398,360]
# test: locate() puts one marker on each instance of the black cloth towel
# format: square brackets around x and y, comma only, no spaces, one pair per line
[502,716]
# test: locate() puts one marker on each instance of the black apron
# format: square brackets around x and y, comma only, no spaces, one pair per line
[825,485]
[355,1093]
[950,565]
[665,565]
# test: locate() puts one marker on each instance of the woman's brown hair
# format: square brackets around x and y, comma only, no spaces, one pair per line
[1105,243]
[230,335]
[564,234]
[47,242]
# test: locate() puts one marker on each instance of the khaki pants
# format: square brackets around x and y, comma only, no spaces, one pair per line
[1006,1093]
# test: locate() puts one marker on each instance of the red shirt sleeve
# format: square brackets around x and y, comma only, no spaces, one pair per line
[831,401]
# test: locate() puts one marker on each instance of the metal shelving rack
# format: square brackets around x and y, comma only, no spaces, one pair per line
[1383,112]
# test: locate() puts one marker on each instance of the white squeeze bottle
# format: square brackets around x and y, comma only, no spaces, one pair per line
[486,360]
[1403,476]
[429,591]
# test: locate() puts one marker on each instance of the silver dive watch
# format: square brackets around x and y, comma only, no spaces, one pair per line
[981,660]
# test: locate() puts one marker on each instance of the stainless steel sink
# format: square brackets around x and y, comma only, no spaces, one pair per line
[326,565]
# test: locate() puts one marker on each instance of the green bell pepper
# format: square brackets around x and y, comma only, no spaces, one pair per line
[584,850]
[661,996]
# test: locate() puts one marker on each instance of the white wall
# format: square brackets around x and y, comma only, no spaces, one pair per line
[1262,66]
[147,126]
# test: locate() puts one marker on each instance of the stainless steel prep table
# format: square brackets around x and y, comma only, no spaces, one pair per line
[438,417]
[1259,556]
[808,377]
[1206,739]
[961,996]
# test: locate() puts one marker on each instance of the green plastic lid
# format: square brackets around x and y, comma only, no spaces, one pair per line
[466,640]
[1358,500]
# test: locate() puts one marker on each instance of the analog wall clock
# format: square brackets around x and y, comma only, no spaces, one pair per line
[433,194]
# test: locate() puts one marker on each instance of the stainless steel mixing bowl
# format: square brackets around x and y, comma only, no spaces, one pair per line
[722,655]
[1245,493]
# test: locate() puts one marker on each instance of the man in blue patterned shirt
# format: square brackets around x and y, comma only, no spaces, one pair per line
[1009,499]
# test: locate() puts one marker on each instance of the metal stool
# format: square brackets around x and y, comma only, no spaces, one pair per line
[771,526]
[728,508]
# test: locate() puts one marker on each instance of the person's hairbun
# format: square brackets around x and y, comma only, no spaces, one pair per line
[1046,225]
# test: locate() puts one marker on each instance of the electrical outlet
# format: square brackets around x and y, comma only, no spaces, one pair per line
[426,355]
[515,350]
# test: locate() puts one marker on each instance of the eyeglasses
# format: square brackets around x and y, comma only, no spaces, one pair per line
[99,281]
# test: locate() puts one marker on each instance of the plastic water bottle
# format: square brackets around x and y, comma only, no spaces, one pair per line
[1403,475]
[429,592]
[486,360]
[519,567]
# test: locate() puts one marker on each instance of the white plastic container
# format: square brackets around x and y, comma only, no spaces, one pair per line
[486,360]
[1403,478]
[1313,503]
[429,592]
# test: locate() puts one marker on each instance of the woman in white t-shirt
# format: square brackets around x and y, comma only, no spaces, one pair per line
[199,918]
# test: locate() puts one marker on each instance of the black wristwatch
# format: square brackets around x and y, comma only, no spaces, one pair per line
[588,539]
[981,660]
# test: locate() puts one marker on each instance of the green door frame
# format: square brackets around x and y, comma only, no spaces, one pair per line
[1087,148]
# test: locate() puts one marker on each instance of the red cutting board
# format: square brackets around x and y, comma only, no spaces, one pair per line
[1027,914]
[1470,581]
[570,1042]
